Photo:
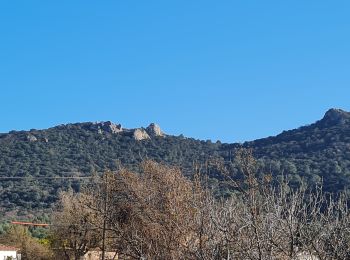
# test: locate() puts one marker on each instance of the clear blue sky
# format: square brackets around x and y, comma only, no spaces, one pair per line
[228,70]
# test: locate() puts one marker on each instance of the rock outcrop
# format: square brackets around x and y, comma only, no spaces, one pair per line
[154,130]
[112,128]
[334,117]
[105,127]
[31,138]
[140,134]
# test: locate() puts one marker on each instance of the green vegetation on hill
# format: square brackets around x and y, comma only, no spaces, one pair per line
[320,151]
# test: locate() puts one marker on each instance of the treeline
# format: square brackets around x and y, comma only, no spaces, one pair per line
[158,213]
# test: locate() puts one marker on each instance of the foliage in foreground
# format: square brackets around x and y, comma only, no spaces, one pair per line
[30,248]
[159,214]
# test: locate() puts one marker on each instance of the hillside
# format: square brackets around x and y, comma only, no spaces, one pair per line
[320,151]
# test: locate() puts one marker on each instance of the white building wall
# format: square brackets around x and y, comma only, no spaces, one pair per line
[5,254]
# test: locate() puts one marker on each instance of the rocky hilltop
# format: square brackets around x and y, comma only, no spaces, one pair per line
[334,117]
[102,128]
[153,130]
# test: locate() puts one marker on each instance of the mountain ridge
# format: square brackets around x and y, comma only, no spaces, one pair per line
[313,153]
[332,116]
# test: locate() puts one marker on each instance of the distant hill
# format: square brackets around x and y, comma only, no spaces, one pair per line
[320,151]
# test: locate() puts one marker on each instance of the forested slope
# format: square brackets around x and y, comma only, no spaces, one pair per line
[320,151]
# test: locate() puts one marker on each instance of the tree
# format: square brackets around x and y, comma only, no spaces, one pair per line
[75,228]
[31,248]
[157,213]
[149,214]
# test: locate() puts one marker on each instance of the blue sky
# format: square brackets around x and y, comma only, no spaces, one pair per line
[227,70]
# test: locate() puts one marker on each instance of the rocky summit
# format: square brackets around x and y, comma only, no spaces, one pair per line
[334,117]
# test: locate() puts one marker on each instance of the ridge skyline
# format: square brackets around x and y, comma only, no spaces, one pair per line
[331,116]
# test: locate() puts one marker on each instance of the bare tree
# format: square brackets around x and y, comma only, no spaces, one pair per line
[74,226]
[149,214]
[157,213]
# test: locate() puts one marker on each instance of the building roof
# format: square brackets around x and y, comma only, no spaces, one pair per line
[8,248]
